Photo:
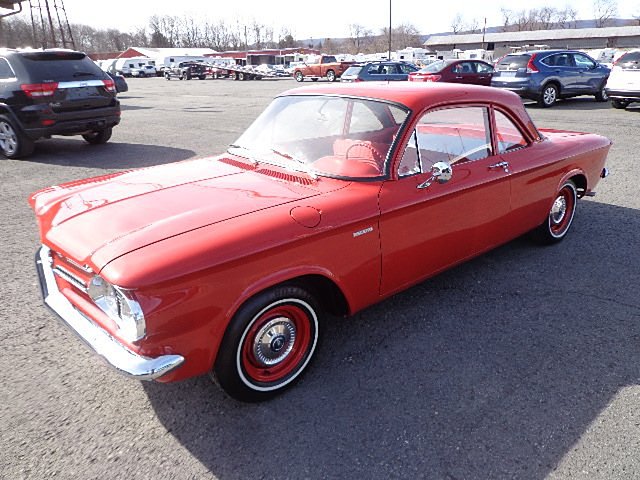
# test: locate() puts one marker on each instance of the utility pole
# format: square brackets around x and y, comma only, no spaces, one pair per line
[389,29]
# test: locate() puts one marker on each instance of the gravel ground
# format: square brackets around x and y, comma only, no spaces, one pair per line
[522,363]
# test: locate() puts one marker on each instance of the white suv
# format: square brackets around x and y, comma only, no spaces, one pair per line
[623,85]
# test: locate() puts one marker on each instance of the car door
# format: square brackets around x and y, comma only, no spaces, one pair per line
[562,67]
[589,77]
[393,73]
[484,72]
[426,226]
[463,72]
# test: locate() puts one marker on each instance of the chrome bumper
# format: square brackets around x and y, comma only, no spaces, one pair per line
[115,353]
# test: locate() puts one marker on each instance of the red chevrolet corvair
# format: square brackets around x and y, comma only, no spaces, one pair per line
[336,197]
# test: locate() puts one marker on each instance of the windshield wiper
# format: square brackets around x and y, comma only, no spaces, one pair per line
[249,157]
[304,167]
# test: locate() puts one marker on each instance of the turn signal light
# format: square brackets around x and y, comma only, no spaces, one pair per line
[38,90]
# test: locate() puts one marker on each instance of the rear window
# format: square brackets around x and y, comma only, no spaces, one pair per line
[60,67]
[434,67]
[514,62]
[352,71]
[630,60]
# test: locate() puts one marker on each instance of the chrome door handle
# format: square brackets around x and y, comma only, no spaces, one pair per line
[504,165]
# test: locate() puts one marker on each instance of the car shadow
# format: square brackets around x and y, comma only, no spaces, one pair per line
[134,107]
[77,152]
[494,369]
[575,103]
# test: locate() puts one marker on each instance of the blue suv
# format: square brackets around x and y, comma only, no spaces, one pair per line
[547,75]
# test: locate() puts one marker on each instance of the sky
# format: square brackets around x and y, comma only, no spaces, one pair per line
[321,19]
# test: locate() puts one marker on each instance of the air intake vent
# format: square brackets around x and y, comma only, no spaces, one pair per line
[287,177]
[237,163]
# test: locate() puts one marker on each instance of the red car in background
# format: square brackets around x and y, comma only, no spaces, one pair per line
[475,72]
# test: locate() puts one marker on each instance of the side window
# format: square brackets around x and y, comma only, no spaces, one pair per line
[464,67]
[583,61]
[362,120]
[450,135]
[559,60]
[508,135]
[5,70]
[483,68]
[410,163]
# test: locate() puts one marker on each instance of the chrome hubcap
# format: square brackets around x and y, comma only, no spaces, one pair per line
[8,139]
[274,341]
[549,95]
[558,210]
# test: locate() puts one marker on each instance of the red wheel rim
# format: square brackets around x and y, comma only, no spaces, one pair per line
[277,343]
[561,213]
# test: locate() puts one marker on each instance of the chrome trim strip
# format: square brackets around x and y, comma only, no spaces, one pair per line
[111,350]
[70,277]
[81,83]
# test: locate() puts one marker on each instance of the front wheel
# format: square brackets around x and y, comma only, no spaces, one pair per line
[299,76]
[13,143]
[620,104]
[268,344]
[601,95]
[331,76]
[99,136]
[560,217]
[549,95]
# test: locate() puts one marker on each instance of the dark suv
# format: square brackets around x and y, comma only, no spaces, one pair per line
[378,70]
[53,92]
[547,75]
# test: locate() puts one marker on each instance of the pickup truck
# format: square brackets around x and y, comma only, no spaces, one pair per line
[325,67]
[187,71]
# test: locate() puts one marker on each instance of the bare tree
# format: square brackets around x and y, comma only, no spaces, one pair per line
[604,11]
[457,24]
[359,37]
[507,18]
[473,26]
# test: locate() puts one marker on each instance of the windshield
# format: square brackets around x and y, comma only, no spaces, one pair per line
[323,135]
[434,67]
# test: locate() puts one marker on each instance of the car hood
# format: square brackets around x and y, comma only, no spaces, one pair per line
[96,220]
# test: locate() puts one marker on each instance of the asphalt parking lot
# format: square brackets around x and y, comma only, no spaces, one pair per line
[521,364]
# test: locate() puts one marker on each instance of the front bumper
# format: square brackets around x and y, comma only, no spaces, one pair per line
[626,94]
[110,349]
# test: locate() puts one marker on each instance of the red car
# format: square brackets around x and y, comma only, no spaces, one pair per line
[475,72]
[335,198]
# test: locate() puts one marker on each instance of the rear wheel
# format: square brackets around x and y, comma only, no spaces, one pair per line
[560,217]
[99,136]
[549,95]
[331,76]
[621,104]
[268,344]
[13,143]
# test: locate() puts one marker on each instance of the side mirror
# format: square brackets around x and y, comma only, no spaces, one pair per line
[441,172]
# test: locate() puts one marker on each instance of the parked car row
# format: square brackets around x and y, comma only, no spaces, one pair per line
[544,76]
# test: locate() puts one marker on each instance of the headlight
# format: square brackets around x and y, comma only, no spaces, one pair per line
[120,306]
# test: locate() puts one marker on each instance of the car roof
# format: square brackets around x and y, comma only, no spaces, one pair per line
[416,96]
